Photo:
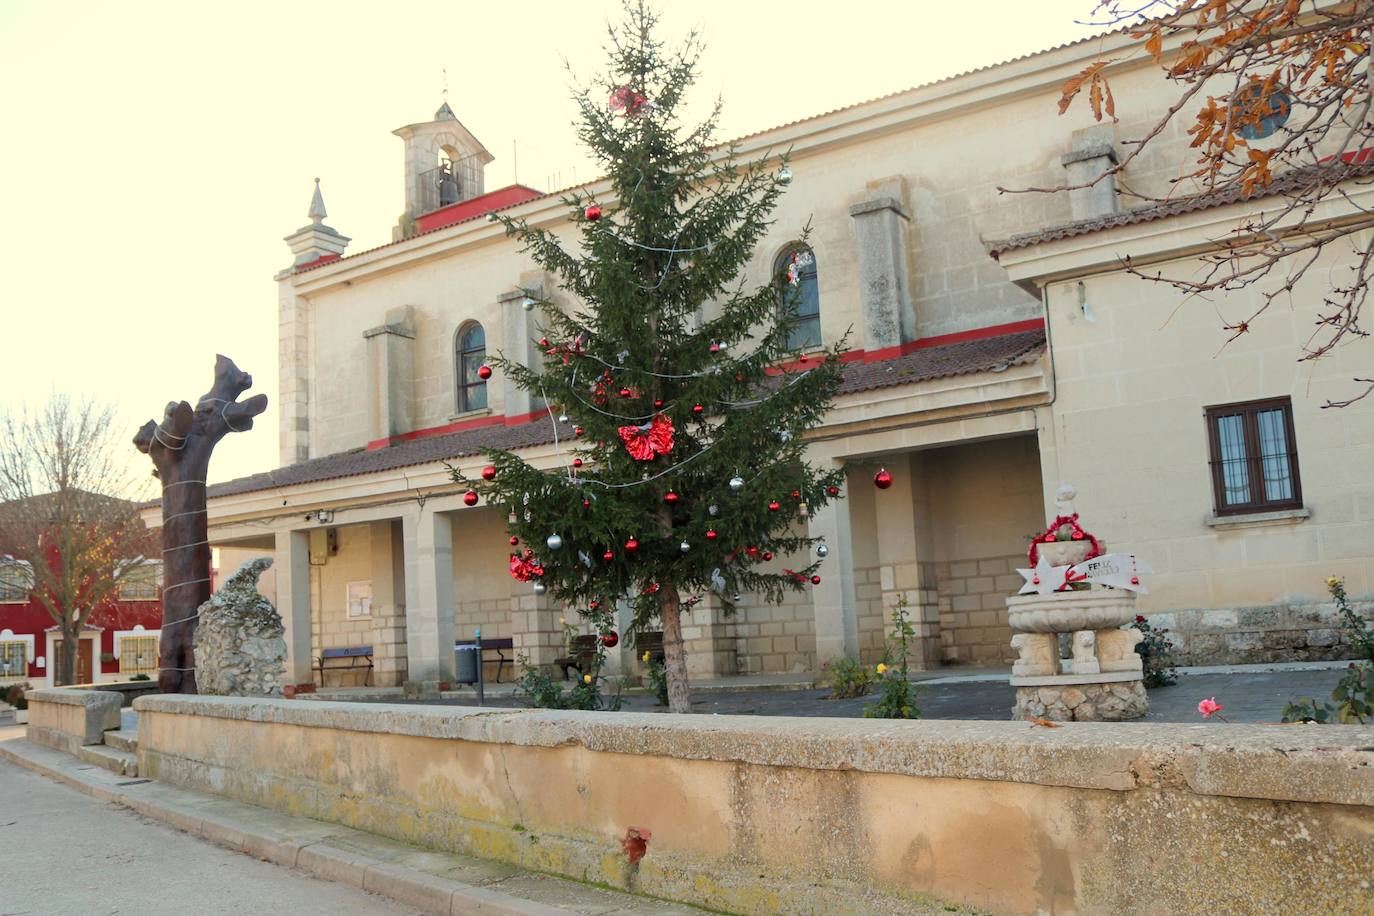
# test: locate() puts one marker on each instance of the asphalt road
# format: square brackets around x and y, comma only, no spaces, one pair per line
[68,853]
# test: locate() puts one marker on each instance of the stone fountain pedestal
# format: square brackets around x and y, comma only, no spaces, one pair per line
[1100,680]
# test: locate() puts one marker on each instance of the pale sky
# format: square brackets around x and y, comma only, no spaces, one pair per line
[155,153]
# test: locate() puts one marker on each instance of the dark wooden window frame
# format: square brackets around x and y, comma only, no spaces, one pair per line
[1249,411]
[462,355]
[795,321]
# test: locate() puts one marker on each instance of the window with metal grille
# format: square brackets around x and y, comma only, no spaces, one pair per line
[140,582]
[799,296]
[138,655]
[16,580]
[14,660]
[1254,457]
[471,353]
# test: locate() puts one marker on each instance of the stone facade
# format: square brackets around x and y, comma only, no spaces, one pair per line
[1082,702]
[238,643]
[1278,633]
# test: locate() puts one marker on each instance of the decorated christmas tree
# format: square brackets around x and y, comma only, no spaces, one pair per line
[678,400]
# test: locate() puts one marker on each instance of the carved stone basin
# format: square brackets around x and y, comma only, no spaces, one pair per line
[1067,612]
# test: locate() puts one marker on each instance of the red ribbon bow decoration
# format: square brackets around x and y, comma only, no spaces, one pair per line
[627,100]
[523,569]
[645,443]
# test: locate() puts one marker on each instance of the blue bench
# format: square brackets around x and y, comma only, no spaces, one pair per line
[358,658]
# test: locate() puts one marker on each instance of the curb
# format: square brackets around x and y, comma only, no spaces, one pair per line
[404,885]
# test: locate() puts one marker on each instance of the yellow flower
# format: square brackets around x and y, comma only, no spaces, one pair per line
[586,678]
[1332,582]
[882,669]
[646,656]
[563,621]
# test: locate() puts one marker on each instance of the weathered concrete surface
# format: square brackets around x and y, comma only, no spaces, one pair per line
[239,646]
[66,718]
[811,816]
[428,881]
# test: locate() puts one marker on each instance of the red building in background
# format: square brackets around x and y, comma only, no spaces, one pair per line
[120,638]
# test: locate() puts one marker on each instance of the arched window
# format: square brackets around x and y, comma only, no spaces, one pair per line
[470,351]
[799,296]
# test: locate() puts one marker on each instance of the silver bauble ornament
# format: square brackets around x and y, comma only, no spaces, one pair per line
[540,588]
[555,541]
[737,483]
[785,175]
[528,304]
[684,547]
[562,418]
[822,550]
[712,510]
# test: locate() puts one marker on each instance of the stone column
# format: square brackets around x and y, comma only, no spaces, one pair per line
[905,557]
[428,543]
[708,637]
[1093,153]
[292,563]
[880,234]
[535,629]
[389,602]
[391,376]
[519,332]
[837,621]
[293,372]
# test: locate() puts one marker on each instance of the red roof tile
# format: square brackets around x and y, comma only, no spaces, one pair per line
[961,358]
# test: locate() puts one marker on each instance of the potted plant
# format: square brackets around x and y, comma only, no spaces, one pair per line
[14,696]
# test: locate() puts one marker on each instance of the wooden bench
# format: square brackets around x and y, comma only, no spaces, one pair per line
[358,658]
[583,651]
[499,646]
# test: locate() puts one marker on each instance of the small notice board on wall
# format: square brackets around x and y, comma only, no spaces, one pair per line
[360,599]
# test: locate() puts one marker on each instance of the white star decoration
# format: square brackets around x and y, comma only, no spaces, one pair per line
[1115,570]
[1044,579]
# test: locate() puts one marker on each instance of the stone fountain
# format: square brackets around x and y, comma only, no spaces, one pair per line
[1076,592]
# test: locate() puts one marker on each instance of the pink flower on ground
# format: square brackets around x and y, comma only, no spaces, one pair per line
[1209,707]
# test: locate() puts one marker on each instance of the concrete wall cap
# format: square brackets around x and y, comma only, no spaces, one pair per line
[1091,151]
[1294,763]
[74,696]
[880,203]
[398,330]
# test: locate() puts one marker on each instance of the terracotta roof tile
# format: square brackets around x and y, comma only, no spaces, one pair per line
[980,355]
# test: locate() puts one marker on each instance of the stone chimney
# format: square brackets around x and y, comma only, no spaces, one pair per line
[880,229]
[391,376]
[316,240]
[1092,154]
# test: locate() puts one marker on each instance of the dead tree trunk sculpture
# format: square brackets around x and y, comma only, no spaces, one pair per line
[180,447]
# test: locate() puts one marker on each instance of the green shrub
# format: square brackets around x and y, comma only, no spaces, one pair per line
[1353,699]
[140,677]
[541,691]
[848,679]
[1156,655]
[896,694]
[658,677]
[14,695]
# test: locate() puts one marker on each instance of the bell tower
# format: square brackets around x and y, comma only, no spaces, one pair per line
[445,165]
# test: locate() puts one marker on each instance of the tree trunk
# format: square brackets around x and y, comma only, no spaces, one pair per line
[180,447]
[674,658]
[66,658]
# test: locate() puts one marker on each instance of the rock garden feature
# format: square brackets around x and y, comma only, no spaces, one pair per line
[1076,594]
[239,645]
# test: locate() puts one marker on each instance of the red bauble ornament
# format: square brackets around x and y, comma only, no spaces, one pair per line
[470,497]
[832,491]
[802,358]
[1035,580]
[631,545]
[1078,535]
[543,342]
[586,504]
[774,506]
[711,534]
[882,480]
[608,556]
[610,639]
[577,431]
[1135,580]
[698,410]
[715,348]
[514,540]
[488,473]
[593,604]
[577,462]
[796,494]
[767,555]
[592,213]
[529,553]
[752,550]
[625,393]
[658,403]
[671,498]
[815,580]
[484,372]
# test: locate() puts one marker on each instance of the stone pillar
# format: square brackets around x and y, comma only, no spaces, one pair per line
[293,372]
[906,557]
[428,543]
[519,335]
[293,603]
[535,629]
[391,376]
[1093,153]
[708,637]
[389,602]
[880,233]
[837,621]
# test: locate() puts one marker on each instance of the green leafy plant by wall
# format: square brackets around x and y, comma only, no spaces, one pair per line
[896,694]
[1353,699]
[849,679]
[1156,655]
[658,677]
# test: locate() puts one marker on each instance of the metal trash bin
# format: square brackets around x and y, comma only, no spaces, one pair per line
[466,659]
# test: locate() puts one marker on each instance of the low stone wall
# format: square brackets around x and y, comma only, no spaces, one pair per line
[66,718]
[755,815]
[1269,633]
